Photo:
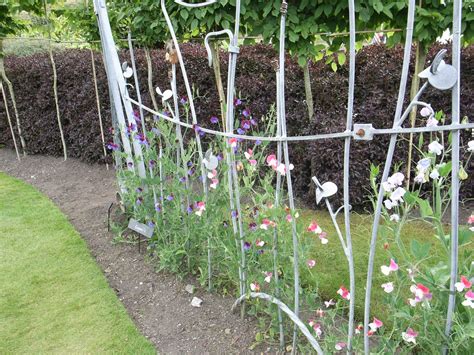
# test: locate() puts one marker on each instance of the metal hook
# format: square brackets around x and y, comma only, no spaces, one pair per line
[213,34]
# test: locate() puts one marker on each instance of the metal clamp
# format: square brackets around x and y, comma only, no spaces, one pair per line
[363,132]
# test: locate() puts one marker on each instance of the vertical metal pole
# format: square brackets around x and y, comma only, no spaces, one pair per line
[347,148]
[388,163]
[456,62]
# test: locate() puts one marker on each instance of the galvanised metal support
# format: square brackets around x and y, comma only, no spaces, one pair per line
[456,92]
[388,163]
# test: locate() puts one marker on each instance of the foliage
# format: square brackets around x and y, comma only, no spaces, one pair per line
[378,73]
[55,298]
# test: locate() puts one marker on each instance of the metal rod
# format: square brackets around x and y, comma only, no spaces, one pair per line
[9,121]
[456,62]
[388,163]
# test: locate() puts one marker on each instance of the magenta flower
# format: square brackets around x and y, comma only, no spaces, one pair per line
[421,293]
[339,346]
[200,208]
[344,293]
[311,263]
[376,324]
[214,120]
[237,102]
[247,246]
[386,270]
[253,226]
[112,146]
[463,284]
[183,100]
[469,299]
[246,113]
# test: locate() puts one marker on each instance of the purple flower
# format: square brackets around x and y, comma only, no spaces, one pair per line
[112,146]
[234,214]
[258,142]
[237,102]
[260,251]
[225,224]
[219,157]
[156,118]
[136,114]
[170,197]
[190,163]
[190,209]
[198,130]
[183,100]
[247,246]
[157,207]
[152,164]
[240,131]
[246,113]
[151,224]
[201,178]
[253,226]
[130,164]
[132,127]
[139,200]
[214,120]
[182,179]
[142,139]
[253,122]
[111,130]
[246,124]
[156,131]
[139,190]
[191,172]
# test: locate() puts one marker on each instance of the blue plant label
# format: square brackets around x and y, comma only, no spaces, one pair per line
[141,228]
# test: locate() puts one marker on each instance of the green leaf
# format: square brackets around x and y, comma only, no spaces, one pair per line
[334,66]
[341,58]
[302,61]
[419,250]
[425,208]
[184,14]
[445,169]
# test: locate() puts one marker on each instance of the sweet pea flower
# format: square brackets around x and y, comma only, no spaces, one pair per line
[344,293]
[388,287]
[470,146]
[469,299]
[470,220]
[233,142]
[463,284]
[157,207]
[112,146]
[376,324]
[200,208]
[322,237]
[259,243]
[432,122]
[435,148]
[397,194]
[237,102]
[272,161]
[339,346]
[393,181]
[329,303]
[268,276]
[410,336]
[386,270]
[434,174]
[214,120]
[395,218]
[421,293]
[425,112]
[359,329]
[248,155]
[316,327]
[246,112]
[423,165]
[255,287]
[267,223]
[311,263]
[389,204]
[247,246]
[214,183]
[315,228]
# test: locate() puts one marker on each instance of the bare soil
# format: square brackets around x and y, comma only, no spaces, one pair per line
[157,302]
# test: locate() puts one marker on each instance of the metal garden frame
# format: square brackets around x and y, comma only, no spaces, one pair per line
[122,105]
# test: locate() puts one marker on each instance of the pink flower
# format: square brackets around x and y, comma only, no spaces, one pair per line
[463,284]
[233,142]
[339,346]
[267,223]
[200,208]
[410,336]
[272,161]
[212,174]
[248,155]
[388,287]
[259,243]
[421,293]
[329,303]
[254,287]
[359,329]
[323,238]
[320,313]
[386,270]
[315,228]
[268,276]
[469,299]
[344,293]
[311,263]
[470,220]
[376,324]
[289,218]
[214,183]
[316,327]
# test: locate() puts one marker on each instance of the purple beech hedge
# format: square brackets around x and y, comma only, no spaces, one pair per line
[378,72]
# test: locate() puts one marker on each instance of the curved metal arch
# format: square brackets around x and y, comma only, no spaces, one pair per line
[298,323]
[191,5]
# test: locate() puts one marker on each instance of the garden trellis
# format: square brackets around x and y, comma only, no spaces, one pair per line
[439,75]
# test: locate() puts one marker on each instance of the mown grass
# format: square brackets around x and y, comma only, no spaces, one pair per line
[53,296]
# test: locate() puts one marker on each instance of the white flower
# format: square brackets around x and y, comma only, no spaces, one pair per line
[434,174]
[423,165]
[410,336]
[396,179]
[435,148]
[420,178]
[389,204]
[431,122]
[425,112]
[470,146]
[388,287]
[387,186]
[395,218]
[397,195]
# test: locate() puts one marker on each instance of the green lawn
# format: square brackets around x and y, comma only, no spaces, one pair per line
[53,296]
